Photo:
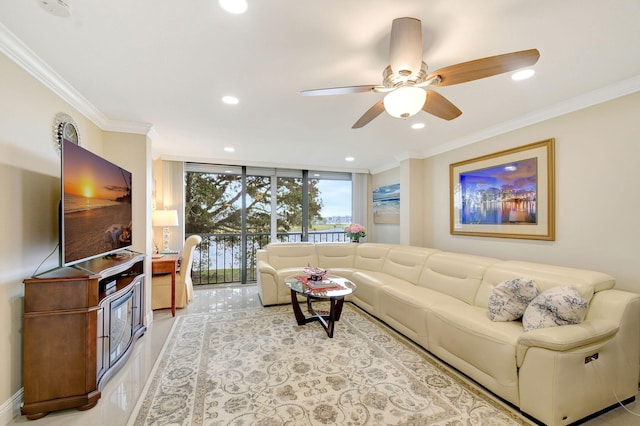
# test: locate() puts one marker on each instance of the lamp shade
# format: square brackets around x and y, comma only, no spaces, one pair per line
[164,218]
[405,101]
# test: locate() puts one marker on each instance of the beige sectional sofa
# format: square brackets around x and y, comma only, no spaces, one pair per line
[439,300]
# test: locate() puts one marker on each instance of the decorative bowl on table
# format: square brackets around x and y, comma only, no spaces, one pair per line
[314,273]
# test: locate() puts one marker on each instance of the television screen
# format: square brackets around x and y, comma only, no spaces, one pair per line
[96,206]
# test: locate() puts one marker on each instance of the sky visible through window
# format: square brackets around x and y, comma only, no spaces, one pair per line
[336,197]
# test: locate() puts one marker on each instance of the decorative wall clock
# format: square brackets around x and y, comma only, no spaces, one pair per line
[64,127]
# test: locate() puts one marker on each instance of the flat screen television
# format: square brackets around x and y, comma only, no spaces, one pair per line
[96,213]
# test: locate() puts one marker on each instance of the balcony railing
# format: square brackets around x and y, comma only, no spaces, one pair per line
[218,259]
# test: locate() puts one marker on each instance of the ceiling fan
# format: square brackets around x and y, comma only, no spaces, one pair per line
[405,79]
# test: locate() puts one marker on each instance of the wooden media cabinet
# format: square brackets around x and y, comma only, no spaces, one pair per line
[79,327]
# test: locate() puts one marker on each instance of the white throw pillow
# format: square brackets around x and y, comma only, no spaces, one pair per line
[557,306]
[509,299]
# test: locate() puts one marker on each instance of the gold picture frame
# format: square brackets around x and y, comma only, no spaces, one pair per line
[507,194]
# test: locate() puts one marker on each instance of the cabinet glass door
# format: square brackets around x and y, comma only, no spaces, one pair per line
[120,326]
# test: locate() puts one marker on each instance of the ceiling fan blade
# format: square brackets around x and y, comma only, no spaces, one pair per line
[372,113]
[405,46]
[440,106]
[340,90]
[484,67]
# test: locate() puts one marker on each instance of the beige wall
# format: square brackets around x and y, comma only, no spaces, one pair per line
[412,211]
[597,193]
[133,152]
[30,182]
[30,188]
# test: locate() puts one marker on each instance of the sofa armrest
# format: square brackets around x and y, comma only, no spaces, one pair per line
[267,283]
[566,337]
[266,268]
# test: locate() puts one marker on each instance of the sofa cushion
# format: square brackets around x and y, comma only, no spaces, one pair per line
[404,307]
[368,285]
[465,337]
[370,257]
[546,276]
[336,256]
[292,255]
[455,274]
[406,264]
[560,305]
[509,299]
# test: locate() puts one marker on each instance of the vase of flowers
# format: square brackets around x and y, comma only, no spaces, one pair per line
[355,232]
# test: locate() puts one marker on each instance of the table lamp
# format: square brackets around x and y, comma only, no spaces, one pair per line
[165,219]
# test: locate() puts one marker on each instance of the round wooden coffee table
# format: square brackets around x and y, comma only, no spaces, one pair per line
[332,288]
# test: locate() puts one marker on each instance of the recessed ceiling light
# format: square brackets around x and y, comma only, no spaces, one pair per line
[417,126]
[523,75]
[56,7]
[229,149]
[349,159]
[316,175]
[234,6]
[230,100]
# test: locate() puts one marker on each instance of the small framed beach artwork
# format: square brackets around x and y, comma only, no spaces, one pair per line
[508,194]
[386,204]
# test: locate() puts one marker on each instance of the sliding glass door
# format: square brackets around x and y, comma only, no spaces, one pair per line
[238,210]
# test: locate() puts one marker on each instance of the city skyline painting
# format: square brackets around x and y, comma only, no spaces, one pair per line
[508,194]
[505,193]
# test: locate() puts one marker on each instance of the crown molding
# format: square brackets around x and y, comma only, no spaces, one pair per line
[24,57]
[131,127]
[384,168]
[18,52]
[234,162]
[604,94]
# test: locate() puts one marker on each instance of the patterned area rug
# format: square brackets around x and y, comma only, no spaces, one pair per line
[258,367]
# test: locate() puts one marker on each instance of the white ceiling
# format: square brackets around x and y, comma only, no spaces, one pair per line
[168,64]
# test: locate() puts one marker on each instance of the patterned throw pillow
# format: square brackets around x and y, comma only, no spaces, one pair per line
[509,299]
[557,306]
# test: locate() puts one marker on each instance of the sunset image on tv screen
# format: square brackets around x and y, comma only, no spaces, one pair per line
[97,204]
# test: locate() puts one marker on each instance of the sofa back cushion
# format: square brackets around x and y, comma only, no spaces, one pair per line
[292,255]
[406,263]
[370,256]
[336,255]
[546,276]
[456,274]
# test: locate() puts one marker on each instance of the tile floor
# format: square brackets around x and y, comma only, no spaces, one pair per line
[121,393]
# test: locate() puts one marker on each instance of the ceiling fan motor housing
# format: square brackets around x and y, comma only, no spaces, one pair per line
[405,46]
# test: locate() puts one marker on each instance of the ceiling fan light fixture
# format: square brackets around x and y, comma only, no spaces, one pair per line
[405,101]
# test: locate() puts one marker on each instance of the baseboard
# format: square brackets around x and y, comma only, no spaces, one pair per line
[148,318]
[11,408]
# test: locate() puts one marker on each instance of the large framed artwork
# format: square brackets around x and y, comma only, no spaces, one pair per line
[508,194]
